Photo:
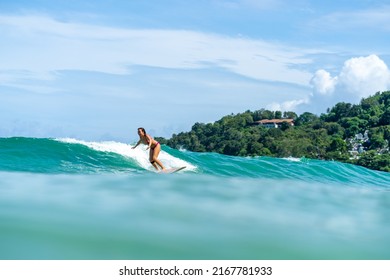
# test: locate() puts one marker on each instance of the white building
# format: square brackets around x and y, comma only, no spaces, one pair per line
[275,123]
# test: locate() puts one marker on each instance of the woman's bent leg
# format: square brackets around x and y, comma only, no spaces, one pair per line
[154,157]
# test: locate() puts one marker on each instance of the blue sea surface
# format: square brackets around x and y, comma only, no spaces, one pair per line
[73,199]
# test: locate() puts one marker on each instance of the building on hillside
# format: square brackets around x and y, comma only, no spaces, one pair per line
[274,123]
[356,144]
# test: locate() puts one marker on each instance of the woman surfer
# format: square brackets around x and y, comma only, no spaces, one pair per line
[153,146]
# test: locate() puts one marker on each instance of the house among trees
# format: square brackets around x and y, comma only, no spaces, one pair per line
[275,123]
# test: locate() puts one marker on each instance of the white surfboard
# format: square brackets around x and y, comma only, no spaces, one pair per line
[171,170]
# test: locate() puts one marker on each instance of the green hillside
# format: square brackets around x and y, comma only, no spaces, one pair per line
[358,134]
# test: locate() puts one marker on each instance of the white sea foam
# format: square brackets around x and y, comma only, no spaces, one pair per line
[292,159]
[140,154]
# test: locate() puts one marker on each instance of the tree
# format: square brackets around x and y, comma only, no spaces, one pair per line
[386,133]
[334,129]
[232,148]
[377,141]
[266,114]
[284,126]
[340,110]
[278,114]
[306,118]
[385,98]
[352,131]
[368,103]
[338,145]
[372,160]
[385,118]
[290,115]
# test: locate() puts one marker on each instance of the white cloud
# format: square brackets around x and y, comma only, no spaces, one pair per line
[360,77]
[363,76]
[290,105]
[40,45]
[323,83]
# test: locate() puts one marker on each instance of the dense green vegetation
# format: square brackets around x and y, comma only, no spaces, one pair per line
[330,136]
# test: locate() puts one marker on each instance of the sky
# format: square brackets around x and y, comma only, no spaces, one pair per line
[98,70]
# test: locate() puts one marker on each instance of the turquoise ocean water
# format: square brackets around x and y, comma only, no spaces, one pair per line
[72,199]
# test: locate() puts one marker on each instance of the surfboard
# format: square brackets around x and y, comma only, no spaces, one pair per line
[171,170]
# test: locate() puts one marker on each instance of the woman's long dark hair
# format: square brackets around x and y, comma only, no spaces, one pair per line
[143,130]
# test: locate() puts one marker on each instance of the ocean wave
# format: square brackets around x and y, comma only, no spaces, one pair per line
[69,155]
[139,155]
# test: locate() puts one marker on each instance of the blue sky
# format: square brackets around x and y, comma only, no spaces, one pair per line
[97,70]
